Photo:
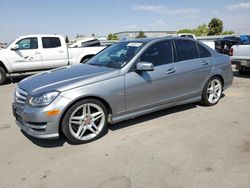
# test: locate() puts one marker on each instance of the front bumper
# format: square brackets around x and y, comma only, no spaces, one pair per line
[35,122]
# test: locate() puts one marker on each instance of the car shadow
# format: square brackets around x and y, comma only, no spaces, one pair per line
[245,75]
[151,116]
[46,143]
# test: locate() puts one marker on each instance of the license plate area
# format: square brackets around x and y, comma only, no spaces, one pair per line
[245,63]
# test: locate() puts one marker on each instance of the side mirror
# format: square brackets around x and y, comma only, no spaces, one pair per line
[144,66]
[15,47]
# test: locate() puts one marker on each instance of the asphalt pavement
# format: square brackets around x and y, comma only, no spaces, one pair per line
[185,146]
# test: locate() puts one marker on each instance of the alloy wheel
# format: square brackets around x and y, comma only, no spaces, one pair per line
[214,91]
[86,121]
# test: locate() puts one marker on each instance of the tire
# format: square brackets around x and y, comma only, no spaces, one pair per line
[85,121]
[212,93]
[241,70]
[2,76]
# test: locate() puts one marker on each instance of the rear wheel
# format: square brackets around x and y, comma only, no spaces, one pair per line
[85,121]
[2,76]
[212,92]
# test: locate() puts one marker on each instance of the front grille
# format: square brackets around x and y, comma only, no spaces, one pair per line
[20,96]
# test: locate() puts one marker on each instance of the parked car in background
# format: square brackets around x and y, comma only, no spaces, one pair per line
[210,44]
[188,35]
[41,52]
[225,44]
[240,56]
[125,80]
[86,42]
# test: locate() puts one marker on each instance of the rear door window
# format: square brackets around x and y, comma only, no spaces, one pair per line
[185,50]
[159,53]
[203,52]
[51,42]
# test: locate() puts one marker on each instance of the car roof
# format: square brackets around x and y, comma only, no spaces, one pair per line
[39,35]
[147,40]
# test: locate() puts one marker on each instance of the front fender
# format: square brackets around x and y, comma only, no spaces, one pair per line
[6,63]
[111,91]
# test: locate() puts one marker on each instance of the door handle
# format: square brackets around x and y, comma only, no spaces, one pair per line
[205,62]
[37,53]
[60,51]
[171,70]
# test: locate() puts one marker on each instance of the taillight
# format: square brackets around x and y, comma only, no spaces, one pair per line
[231,51]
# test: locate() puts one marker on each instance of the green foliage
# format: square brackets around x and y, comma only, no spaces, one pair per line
[112,37]
[66,39]
[186,31]
[228,32]
[215,27]
[141,35]
[201,30]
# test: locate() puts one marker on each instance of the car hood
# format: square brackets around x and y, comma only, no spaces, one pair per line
[65,78]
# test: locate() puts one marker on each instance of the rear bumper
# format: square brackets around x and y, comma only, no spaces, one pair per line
[244,62]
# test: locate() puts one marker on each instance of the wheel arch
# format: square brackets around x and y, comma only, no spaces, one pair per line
[104,102]
[86,57]
[219,76]
[3,66]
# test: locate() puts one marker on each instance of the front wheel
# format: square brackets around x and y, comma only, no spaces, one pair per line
[85,121]
[2,76]
[212,92]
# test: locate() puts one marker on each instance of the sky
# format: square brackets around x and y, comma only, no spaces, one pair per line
[85,17]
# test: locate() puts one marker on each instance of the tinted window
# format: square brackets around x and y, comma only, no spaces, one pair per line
[203,52]
[28,43]
[91,43]
[51,42]
[185,50]
[158,54]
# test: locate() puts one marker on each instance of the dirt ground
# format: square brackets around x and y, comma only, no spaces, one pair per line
[186,146]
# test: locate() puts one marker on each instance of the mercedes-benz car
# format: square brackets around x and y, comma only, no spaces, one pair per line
[125,80]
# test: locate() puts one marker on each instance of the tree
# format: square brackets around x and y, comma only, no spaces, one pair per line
[141,35]
[201,30]
[112,37]
[66,39]
[186,31]
[215,27]
[227,32]
[93,34]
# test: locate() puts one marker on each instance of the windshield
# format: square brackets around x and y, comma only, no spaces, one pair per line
[117,55]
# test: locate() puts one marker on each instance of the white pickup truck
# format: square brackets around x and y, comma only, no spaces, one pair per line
[41,52]
[240,56]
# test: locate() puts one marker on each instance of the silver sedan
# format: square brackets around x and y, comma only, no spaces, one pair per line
[127,79]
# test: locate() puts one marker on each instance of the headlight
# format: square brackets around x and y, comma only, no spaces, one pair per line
[43,99]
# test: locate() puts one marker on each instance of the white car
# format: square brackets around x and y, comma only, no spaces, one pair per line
[41,52]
